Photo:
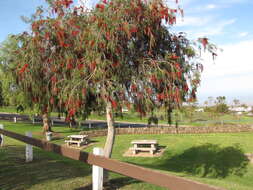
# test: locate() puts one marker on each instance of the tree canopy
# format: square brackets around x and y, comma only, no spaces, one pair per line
[121,52]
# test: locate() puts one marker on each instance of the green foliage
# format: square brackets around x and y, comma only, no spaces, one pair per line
[221,106]
[1,94]
[11,93]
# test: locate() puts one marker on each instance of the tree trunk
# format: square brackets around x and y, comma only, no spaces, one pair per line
[110,136]
[169,114]
[46,122]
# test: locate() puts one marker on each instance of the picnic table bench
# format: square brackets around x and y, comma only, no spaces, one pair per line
[144,145]
[77,139]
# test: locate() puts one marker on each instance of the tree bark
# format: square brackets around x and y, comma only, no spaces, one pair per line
[169,114]
[110,131]
[110,136]
[46,123]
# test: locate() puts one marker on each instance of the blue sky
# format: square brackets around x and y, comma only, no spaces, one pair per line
[228,23]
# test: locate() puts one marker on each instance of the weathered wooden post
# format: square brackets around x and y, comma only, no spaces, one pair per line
[97,172]
[15,119]
[1,136]
[90,125]
[29,149]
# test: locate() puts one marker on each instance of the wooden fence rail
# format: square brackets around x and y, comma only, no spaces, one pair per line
[147,175]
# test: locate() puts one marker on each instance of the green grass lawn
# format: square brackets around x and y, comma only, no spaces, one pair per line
[216,159]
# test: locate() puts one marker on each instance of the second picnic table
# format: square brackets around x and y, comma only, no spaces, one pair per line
[77,139]
[144,145]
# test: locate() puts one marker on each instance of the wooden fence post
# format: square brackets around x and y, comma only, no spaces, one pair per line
[15,119]
[28,149]
[1,136]
[97,172]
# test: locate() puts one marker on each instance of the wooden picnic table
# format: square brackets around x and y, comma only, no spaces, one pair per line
[77,139]
[144,145]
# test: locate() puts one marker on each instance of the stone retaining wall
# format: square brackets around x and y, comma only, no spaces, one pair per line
[173,130]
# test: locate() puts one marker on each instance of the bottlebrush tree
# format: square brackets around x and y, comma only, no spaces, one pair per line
[119,53]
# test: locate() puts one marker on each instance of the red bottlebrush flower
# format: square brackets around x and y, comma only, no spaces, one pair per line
[69,66]
[153,79]
[84,91]
[49,60]
[22,70]
[172,20]
[54,79]
[92,43]
[80,66]
[186,88]
[101,7]
[133,87]
[93,65]
[71,112]
[66,3]
[55,90]
[139,95]
[114,104]
[164,13]
[78,103]
[133,29]
[174,57]
[177,95]
[128,105]
[115,64]
[118,50]
[52,100]
[204,42]
[101,45]
[179,74]
[75,33]
[160,96]
[149,91]
[178,68]
[173,10]
[67,119]
[66,45]
[35,99]
[35,26]
[105,1]
[47,35]
[107,35]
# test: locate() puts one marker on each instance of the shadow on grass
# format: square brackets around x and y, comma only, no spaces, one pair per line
[208,160]
[113,184]
[15,173]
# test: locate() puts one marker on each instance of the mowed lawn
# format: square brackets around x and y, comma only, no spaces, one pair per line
[216,159]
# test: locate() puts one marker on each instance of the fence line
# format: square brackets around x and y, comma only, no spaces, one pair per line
[130,170]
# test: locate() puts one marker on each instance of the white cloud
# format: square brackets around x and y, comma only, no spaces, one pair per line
[234,1]
[193,21]
[231,75]
[243,34]
[211,6]
[212,29]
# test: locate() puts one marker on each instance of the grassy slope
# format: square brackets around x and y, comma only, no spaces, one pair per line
[186,155]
